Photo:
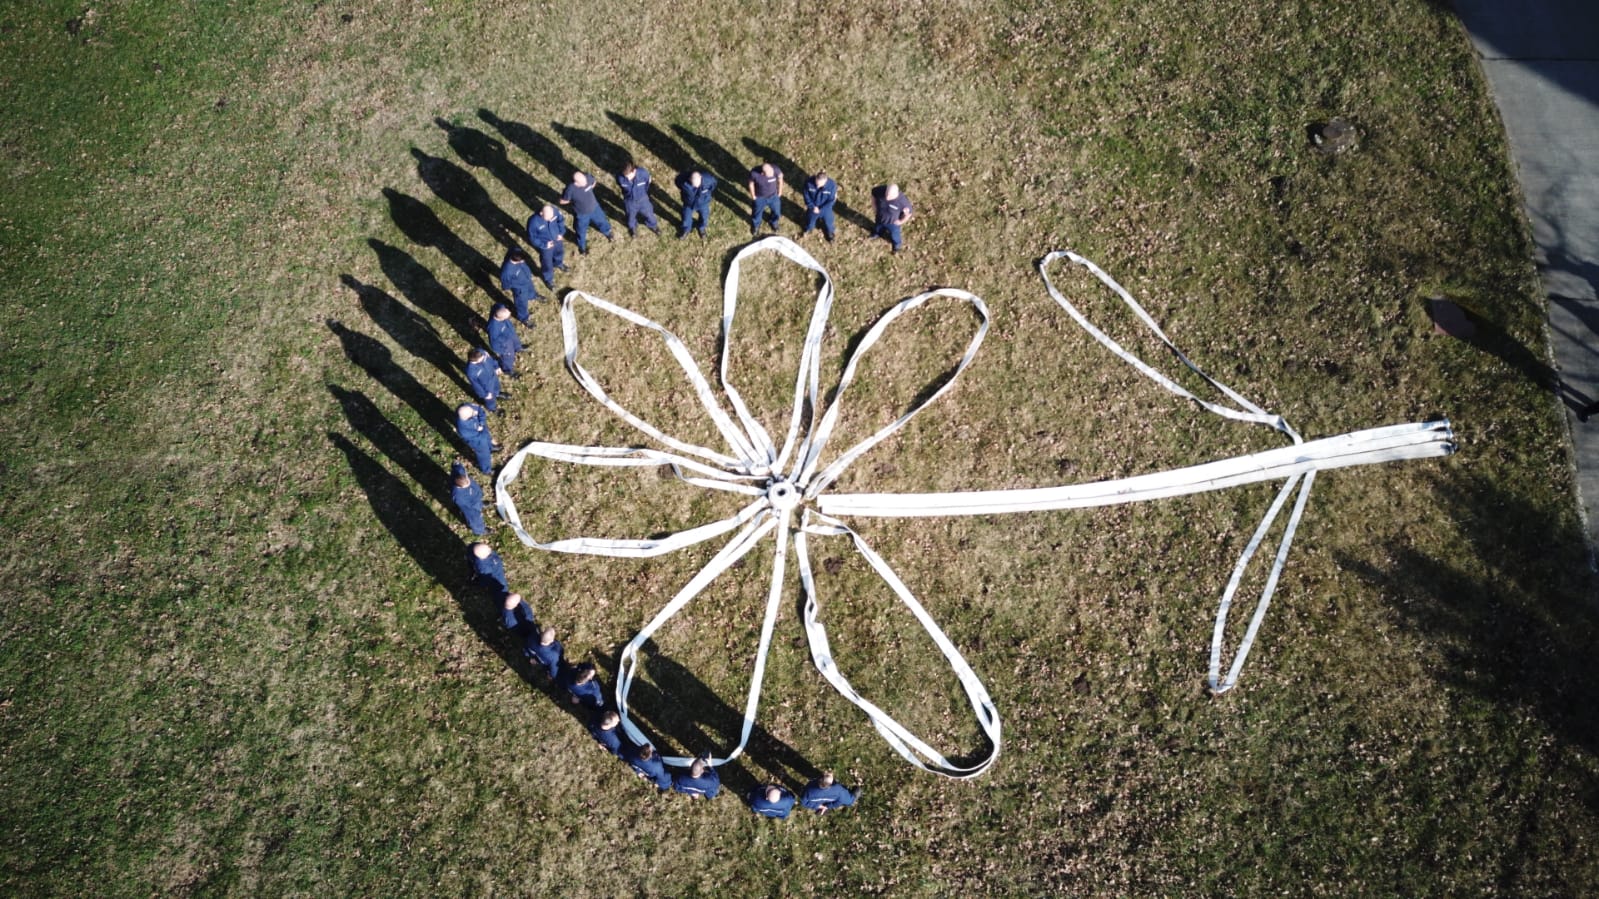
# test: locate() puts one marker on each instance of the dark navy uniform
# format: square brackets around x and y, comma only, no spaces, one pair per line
[779,809]
[503,340]
[489,572]
[468,500]
[474,429]
[818,798]
[636,203]
[516,279]
[696,201]
[518,619]
[484,378]
[652,768]
[706,785]
[548,237]
[819,200]
[549,655]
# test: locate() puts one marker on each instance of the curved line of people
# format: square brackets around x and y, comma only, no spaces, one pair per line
[582,686]
[546,231]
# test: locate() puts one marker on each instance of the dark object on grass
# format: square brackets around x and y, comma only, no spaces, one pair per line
[1333,136]
[1449,318]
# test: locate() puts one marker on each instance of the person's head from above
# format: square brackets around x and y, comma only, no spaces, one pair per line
[512,600]
[646,752]
[629,167]
[826,780]
[518,256]
[481,550]
[476,354]
[463,480]
[774,793]
[767,170]
[501,312]
[580,179]
[821,177]
[609,720]
[891,192]
[694,178]
[547,212]
[547,636]
[585,673]
[697,769]
[466,412]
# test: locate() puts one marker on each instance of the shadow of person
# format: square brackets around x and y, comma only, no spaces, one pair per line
[408,329]
[441,555]
[1494,340]
[693,719]
[375,359]
[539,148]
[478,150]
[364,416]
[417,283]
[456,186]
[671,154]
[732,174]
[422,226]
[1516,623]
[608,159]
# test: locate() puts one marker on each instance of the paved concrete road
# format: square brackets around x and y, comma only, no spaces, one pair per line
[1542,62]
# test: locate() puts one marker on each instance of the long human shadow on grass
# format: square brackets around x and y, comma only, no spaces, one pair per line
[365,417]
[538,147]
[410,330]
[660,145]
[675,704]
[1520,627]
[1492,339]
[417,283]
[608,159]
[456,186]
[441,555]
[797,176]
[375,359]
[732,173]
[478,150]
[423,227]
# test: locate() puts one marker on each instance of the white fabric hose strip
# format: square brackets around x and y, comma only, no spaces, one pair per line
[789,484]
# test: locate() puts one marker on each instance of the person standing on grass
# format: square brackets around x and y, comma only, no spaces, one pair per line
[503,339]
[771,801]
[472,423]
[700,781]
[586,211]
[488,570]
[548,652]
[517,616]
[766,191]
[468,497]
[483,376]
[604,728]
[696,190]
[546,230]
[823,794]
[634,183]
[516,279]
[647,765]
[582,685]
[893,211]
[821,192]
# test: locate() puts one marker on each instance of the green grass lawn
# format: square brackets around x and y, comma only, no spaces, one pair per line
[243,251]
